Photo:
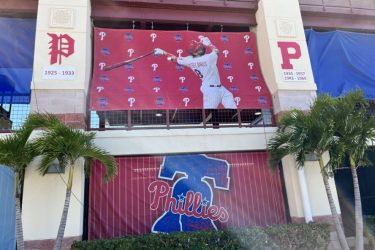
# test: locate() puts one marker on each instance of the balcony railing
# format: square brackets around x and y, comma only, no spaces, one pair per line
[176,119]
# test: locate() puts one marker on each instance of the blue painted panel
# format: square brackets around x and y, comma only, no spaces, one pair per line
[7,210]
[17,39]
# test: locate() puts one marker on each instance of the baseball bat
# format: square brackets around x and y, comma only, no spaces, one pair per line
[116,65]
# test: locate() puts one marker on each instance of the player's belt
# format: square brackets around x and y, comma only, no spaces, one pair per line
[215,85]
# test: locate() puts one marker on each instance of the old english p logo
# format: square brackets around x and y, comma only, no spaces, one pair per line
[61,46]
[189,204]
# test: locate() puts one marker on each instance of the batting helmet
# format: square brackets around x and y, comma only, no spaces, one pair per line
[196,48]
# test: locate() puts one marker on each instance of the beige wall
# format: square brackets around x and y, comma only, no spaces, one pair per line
[318,195]
[316,190]
[140,142]
[43,202]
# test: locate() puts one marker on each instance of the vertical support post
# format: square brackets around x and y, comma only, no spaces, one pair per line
[167,118]
[305,195]
[129,119]
[204,117]
[239,118]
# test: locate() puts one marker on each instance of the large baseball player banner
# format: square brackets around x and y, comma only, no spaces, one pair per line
[191,192]
[149,69]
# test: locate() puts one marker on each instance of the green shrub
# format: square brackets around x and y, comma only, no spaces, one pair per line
[291,236]
[369,222]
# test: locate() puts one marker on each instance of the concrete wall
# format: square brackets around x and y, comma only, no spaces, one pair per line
[43,202]
[146,142]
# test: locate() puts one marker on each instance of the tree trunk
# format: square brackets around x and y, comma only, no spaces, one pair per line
[336,220]
[19,230]
[17,201]
[358,212]
[64,216]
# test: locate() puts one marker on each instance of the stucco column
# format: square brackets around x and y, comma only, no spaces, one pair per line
[61,75]
[62,59]
[285,64]
[305,195]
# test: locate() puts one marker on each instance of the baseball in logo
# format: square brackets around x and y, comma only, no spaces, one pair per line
[189,204]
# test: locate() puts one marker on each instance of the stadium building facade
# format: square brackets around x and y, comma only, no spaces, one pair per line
[223,151]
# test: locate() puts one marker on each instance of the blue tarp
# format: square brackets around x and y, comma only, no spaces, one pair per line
[7,210]
[342,61]
[17,38]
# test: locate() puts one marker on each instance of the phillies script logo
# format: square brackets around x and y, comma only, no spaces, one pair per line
[188,204]
[61,46]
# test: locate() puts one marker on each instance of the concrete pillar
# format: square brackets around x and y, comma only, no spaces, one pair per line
[61,75]
[62,59]
[305,195]
[285,64]
[283,54]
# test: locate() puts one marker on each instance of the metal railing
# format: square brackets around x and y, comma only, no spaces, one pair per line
[14,110]
[13,116]
[177,119]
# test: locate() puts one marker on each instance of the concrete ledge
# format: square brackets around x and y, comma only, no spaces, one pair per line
[317,219]
[49,243]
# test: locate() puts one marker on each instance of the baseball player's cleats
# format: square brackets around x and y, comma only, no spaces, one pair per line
[159,52]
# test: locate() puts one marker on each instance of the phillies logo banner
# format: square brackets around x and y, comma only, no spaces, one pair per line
[178,193]
[148,69]
[188,204]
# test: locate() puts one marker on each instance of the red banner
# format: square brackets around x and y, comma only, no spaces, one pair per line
[185,193]
[128,73]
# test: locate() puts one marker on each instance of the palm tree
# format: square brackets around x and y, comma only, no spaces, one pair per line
[68,145]
[16,153]
[300,133]
[355,129]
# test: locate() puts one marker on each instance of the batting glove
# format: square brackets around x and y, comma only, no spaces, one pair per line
[205,40]
[159,52]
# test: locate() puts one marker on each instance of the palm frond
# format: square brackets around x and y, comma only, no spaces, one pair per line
[45,163]
[43,121]
[278,149]
[95,153]
[15,151]
[353,126]
[68,144]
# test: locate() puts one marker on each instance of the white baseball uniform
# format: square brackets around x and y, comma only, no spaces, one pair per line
[213,91]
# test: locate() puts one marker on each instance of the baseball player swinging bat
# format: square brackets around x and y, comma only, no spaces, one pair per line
[116,65]
[204,65]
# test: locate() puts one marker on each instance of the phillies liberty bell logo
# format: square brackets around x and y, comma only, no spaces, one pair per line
[189,204]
